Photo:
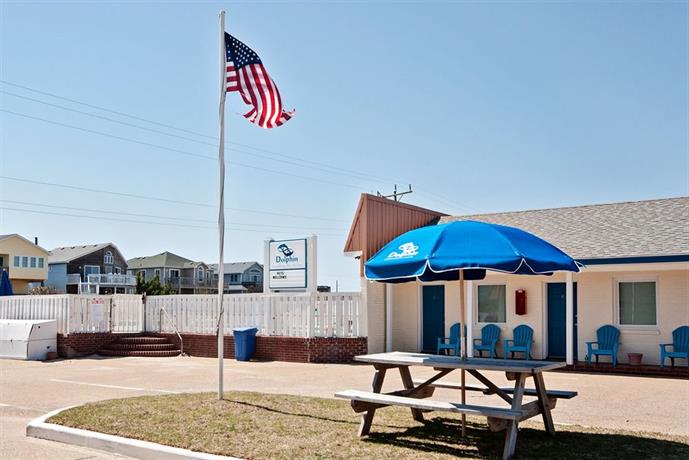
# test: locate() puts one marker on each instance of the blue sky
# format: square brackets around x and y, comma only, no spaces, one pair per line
[483,107]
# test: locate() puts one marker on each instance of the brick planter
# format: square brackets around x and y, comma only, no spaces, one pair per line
[275,348]
[82,344]
[269,348]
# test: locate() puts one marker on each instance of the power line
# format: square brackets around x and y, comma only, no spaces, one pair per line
[113,120]
[106,110]
[337,169]
[166,200]
[113,136]
[134,117]
[308,164]
[179,151]
[137,221]
[184,219]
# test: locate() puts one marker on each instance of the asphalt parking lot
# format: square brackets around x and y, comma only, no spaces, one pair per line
[29,389]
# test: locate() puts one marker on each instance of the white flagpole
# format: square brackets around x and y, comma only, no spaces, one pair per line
[221,210]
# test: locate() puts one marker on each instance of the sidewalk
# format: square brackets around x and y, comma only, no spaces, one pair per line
[29,389]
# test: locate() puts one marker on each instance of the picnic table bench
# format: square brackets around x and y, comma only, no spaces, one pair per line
[415,392]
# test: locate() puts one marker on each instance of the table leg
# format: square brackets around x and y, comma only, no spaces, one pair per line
[544,403]
[367,418]
[464,401]
[513,427]
[408,385]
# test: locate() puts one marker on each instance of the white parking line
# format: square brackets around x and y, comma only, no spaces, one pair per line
[34,409]
[117,387]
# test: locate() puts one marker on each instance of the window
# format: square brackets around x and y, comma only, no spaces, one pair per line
[174,273]
[107,259]
[25,261]
[156,273]
[637,303]
[41,261]
[118,271]
[91,270]
[33,262]
[491,303]
[234,278]
[141,274]
[200,274]
[16,261]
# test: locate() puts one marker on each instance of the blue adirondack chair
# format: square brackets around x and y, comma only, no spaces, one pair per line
[490,335]
[607,344]
[523,338]
[452,342]
[680,346]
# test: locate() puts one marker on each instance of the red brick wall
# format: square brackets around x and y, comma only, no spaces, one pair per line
[69,346]
[292,349]
[271,348]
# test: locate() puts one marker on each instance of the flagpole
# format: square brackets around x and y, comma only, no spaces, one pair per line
[221,204]
[463,344]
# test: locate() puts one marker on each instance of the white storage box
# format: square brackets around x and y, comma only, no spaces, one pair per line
[27,339]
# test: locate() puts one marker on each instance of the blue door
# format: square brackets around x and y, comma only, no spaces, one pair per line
[433,316]
[557,330]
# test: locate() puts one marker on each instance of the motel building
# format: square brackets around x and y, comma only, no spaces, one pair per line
[636,278]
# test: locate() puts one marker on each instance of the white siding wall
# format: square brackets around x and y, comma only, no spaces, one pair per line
[596,306]
[374,298]
[405,317]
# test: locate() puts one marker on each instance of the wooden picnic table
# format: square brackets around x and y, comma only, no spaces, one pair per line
[415,391]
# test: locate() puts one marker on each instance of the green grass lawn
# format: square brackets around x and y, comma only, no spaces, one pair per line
[258,426]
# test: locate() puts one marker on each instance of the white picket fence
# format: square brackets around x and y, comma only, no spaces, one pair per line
[78,313]
[37,307]
[293,315]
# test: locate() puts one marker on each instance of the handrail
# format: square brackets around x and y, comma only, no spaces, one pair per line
[174,327]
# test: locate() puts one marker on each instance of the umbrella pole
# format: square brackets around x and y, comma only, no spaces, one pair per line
[463,345]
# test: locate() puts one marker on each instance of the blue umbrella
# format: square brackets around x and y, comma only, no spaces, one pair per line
[441,252]
[5,285]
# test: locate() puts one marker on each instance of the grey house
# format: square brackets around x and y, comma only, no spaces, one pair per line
[184,275]
[89,269]
[240,276]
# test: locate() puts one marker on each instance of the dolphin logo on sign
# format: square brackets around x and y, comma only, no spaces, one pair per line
[286,250]
[406,250]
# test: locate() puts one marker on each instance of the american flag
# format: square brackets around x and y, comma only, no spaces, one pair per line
[247,76]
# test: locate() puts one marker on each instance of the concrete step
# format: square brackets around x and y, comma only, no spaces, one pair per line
[143,339]
[146,353]
[140,346]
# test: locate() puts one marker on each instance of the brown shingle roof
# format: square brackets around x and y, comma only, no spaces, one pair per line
[630,229]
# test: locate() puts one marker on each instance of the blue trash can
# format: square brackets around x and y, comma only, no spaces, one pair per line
[244,343]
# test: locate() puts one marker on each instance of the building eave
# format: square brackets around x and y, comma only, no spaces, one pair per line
[635,260]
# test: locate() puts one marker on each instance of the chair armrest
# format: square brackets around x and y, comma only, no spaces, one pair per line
[591,343]
[477,341]
[508,341]
[665,345]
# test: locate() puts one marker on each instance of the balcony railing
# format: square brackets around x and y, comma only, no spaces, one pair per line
[110,278]
[189,282]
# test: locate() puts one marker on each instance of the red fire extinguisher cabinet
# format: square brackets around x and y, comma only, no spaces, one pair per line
[520,302]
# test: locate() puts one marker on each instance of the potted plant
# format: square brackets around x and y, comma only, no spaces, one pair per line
[635,358]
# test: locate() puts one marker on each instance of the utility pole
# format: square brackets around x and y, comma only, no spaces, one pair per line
[397,196]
